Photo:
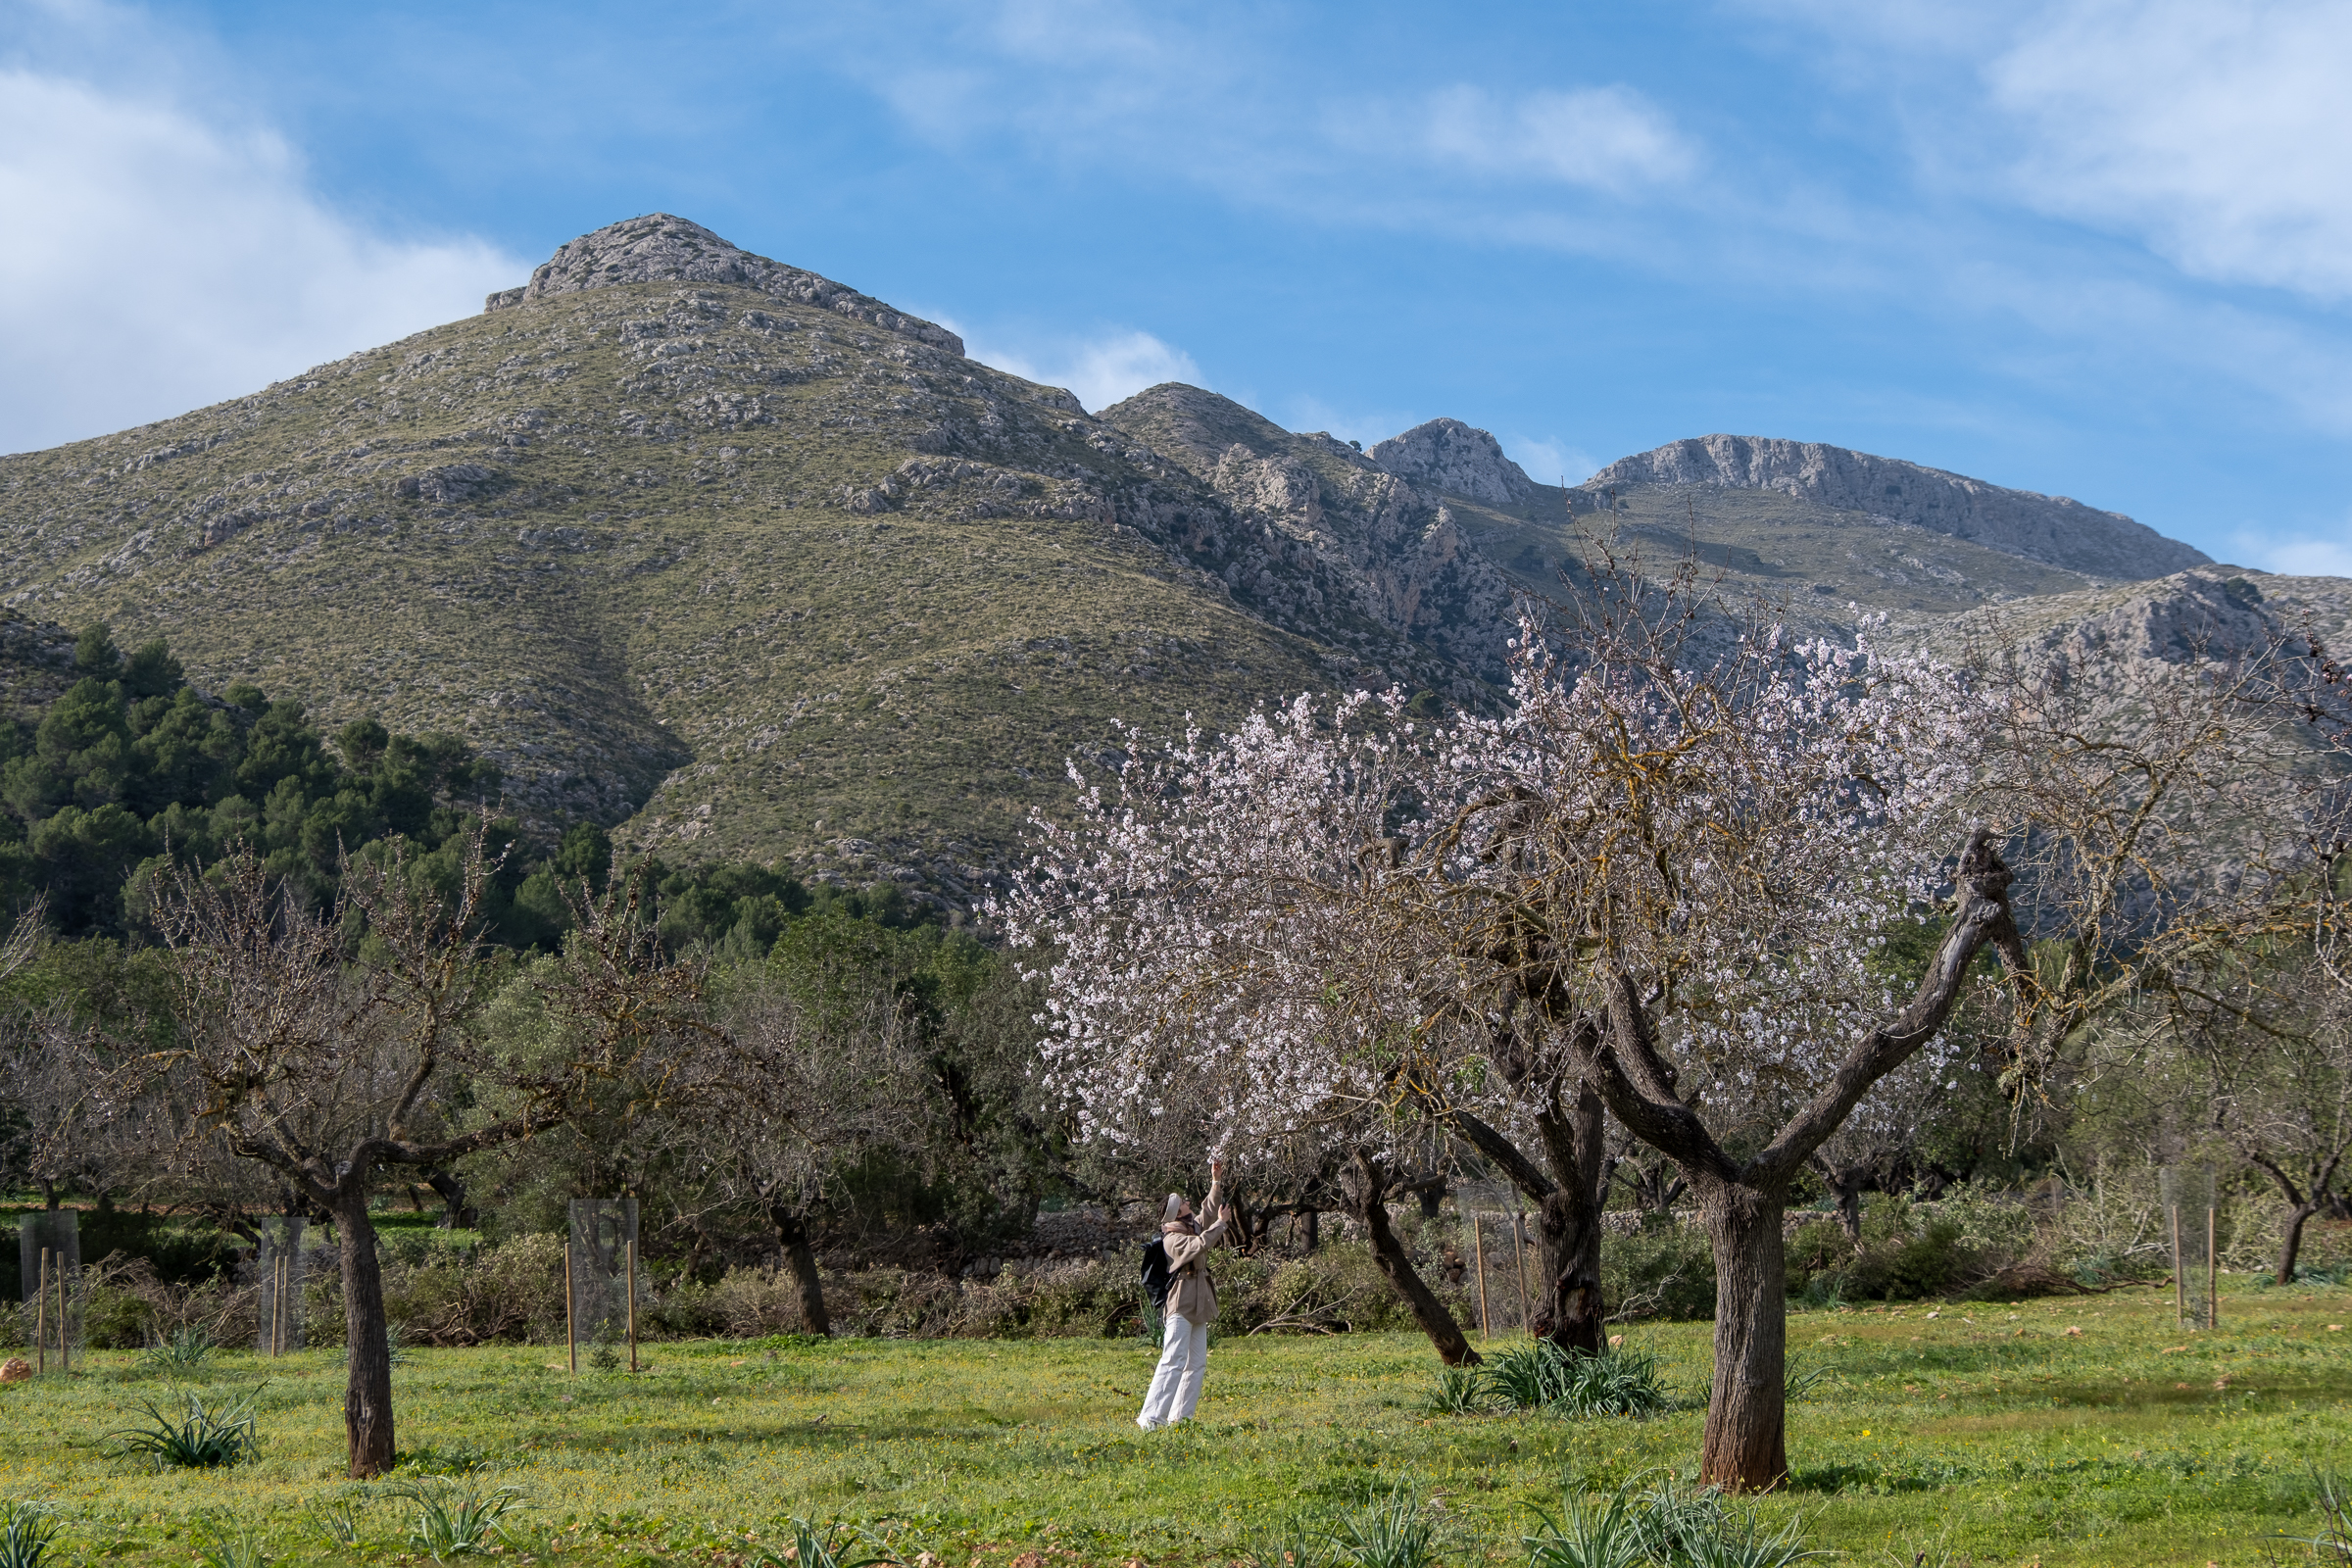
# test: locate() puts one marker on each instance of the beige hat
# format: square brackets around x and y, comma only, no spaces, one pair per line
[1174,1209]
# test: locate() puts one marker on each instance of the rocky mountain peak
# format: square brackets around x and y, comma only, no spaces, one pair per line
[1456,458]
[1193,426]
[661,248]
[2052,529]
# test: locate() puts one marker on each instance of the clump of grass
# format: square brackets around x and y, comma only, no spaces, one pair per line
[457,1516]
[199,1439]
[1460,1391]
[219,1544]
[1665,1524]
[27,1529]
[1540,1375]
[1389,1531]
[185,1348]
[830,1546]
[334,1520]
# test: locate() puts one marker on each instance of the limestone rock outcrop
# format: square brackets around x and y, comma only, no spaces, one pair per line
[1457,458]
[659,248]
[2052,529]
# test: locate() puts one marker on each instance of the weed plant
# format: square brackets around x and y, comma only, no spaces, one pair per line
[225,1543]
[826,1546]
[183,1350]
[1537,1374]
[1663,1525]
[334,1521]
[28,1532]
[457,1516]
[1392,1531]
[199,1439]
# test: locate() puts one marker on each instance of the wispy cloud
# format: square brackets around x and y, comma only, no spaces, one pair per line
[1101,370]
[1607,139]
[2295,555]
[2217,134]
[158,260]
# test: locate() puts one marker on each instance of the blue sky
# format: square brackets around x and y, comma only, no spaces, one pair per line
[2100,248]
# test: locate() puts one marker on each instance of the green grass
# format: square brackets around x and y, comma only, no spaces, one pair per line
[2130,1444]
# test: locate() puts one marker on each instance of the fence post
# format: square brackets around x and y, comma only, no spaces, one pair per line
[1478,1251]
[632,1303]
[2179,1285]
[40,1314]
[571,1332]
[2212,1289]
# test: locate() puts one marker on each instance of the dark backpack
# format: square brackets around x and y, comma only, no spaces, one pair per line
[1157,1276]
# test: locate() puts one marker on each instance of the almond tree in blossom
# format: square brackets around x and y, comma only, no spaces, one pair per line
[1657,885]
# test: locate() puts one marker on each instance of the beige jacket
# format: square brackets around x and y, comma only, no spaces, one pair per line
[1192,1294]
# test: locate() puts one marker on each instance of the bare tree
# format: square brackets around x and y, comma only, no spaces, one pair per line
[789,1097]
[327,1047]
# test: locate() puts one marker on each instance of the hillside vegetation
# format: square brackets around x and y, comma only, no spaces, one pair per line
[741,562]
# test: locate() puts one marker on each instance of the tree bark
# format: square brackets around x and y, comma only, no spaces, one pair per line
[368,1394]
[792,1229]
[1367,1196]
[1746,1447]
[2291,1245]
[1573,1316]
[1314,1231]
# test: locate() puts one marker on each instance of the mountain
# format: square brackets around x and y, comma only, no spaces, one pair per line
[746,562]
[2051,529]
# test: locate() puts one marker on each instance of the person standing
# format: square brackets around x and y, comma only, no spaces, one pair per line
[1175,1392]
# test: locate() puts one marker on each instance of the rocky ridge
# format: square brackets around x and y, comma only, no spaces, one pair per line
[2052,529]
[686,539]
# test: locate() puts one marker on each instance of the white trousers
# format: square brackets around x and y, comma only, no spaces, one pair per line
[1176,1387]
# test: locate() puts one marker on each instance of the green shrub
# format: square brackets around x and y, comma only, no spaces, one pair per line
[1537,1374]
[1663,1271]
[199,1439]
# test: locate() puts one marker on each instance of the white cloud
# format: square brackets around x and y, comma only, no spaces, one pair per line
[2295,555]
[1607,139]
[158,261]
[1550,461]
[1101,370]
[2217,134]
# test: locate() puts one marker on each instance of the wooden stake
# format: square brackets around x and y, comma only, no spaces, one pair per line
[571,1333]
[2179,1284]
[65,1351]
[2212,1289]
[1519,1265]
[632,1303]
[40,1314]
[1478,1251]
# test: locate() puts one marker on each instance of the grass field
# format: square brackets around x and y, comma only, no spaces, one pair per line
[1994,1430]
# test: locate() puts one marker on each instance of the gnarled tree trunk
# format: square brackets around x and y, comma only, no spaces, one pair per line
[368,1394]
[1746,1446]
[2291,1245]
[792,1229]
[1367,1197]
